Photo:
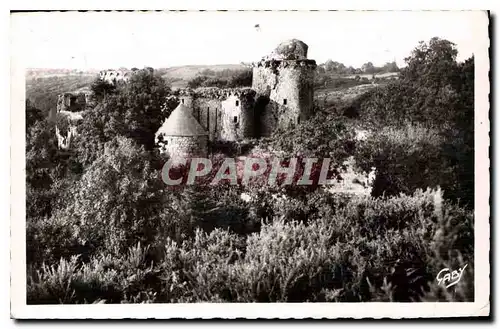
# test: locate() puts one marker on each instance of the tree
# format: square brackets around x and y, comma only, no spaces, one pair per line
[101,88]
[390,67]
[197,81]
[431,65]
[368,68]
[329,66]
[135,111]
[335,67]
[426,91]
[351,70]
[437,92]
[48,170]
[119,199]
[241,79]
[33,115]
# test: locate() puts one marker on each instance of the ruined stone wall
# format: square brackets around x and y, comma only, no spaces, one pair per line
[288,86]
[306,94]
[67,128]
[72,102]
[113,76]
[187,100]
[178,147]
[64,138]
[215,109]
[208,113]
[68,114]
[238,117]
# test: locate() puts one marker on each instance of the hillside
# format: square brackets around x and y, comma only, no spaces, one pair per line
[43,85]
[43,90]
[178,76]
[36,73]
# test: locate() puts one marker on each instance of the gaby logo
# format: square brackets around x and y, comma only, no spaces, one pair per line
[449,278]
[250,170]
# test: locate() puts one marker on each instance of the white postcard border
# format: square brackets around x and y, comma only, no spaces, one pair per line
[481,306]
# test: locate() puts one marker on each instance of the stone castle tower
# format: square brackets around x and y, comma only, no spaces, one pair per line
[281,97]
[181,136]
[284,83]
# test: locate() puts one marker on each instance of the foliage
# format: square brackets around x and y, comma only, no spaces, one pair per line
[351,249]
[118,199]
[405,159]
[136,110]
[33,115]
[339,68]
[223,79]
[101,88]
[433,89]
[323,136]
[43,91]
[49,171]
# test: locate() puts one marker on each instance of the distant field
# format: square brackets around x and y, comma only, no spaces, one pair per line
[370,76]
[178,76]
[33,74]
[43,85]
[328,97]
[42,91]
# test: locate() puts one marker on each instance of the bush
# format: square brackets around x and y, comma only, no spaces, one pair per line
[118,200]
[405,159]
[414,157]
[104,279]
[222,79]
[350,249]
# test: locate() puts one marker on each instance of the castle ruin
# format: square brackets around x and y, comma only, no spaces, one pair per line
[114,76]
[281,97]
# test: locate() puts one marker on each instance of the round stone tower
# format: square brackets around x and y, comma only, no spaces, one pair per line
[284,82]
[238,114]
[181,136]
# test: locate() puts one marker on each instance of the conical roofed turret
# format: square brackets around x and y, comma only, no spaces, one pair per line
[182,123]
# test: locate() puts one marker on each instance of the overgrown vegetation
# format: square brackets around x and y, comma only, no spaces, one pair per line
[223,79]
[43,91]
[425,125]
[103,228]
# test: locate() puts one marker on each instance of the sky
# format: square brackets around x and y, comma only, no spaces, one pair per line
[102,40]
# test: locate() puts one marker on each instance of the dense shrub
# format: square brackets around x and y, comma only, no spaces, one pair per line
[33,114]
[323,136]
[42,92]
[118,199]
[413,157]
[128,278]
[436,92]
[223,79]
[351,249]
[405,159]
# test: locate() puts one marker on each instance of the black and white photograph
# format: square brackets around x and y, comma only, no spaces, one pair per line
[239,163]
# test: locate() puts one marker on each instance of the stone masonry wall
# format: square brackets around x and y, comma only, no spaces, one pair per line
[113,76]
[208,113]
[288,84]
[72,102]
[237,117]
[215,109]
[178,147]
